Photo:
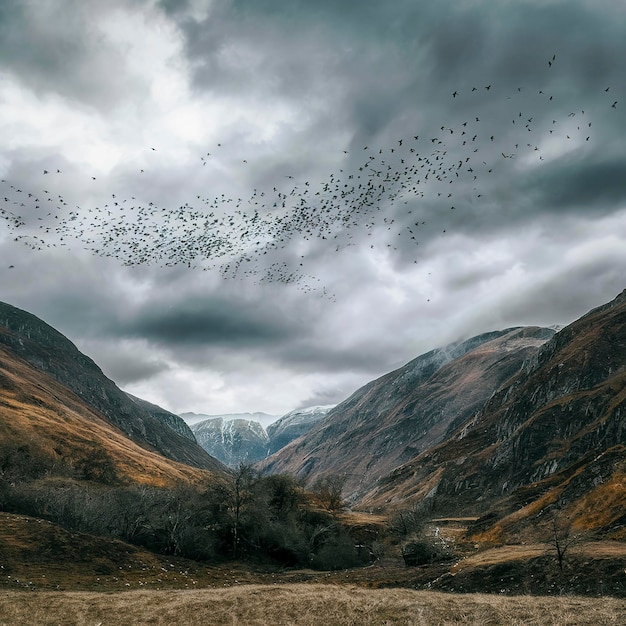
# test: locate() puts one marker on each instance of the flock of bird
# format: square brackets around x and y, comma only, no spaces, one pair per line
[388,193]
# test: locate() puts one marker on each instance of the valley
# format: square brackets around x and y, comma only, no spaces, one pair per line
[495,465]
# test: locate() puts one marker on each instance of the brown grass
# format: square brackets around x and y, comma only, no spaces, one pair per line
[58,425]
[359,518]
[591,549]
[302,605]
[503,554]
[603,504]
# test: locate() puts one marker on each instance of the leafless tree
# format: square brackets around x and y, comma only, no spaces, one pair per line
[561,536]
[329,489]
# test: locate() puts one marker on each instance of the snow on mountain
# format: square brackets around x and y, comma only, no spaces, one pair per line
[265,419]
[294,424]
[232,441]
[241,437]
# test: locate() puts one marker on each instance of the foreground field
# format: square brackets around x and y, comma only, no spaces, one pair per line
[302,605]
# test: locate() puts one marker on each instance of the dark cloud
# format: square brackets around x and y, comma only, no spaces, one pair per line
[128,367]
[289,85]
[583,185]
[207,323]
[566,294]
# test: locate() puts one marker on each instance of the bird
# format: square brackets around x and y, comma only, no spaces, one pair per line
[239,236]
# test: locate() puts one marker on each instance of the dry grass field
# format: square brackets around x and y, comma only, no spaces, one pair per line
[302,605]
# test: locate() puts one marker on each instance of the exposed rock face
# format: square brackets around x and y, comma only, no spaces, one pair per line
[392,419]
[232,441]
[50,352]
[293,425]
[554,433]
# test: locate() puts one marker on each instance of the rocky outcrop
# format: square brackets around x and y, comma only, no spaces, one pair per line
[173,421]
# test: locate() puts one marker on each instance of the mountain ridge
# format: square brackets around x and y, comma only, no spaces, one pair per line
[390,419]
[552,436]
[50,352]
[234,440]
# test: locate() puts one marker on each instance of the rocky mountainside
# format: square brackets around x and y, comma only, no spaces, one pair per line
[49,352]
[232,441]
[293,425]
[47,431]
[394,418]
[172,420]
[552,436]
[235,439]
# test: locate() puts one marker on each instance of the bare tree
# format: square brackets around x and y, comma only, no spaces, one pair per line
[561,536]
[329,489]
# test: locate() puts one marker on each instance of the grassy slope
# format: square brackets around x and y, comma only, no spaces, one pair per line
[42,415]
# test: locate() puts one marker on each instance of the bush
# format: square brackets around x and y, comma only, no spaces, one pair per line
[425,551]
[340,552]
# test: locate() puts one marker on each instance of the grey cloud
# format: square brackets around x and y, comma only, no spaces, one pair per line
[127,367]
[57,48]
[587,186]
[565,295]
[206,323]
[354,73]
[79,304]
[324,397]
[175,8]
[462,279]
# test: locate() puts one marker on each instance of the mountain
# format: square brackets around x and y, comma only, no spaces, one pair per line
[46,430]
[235,439]
[29,339]
[175,422]
[232,441]
[293,425]
[394,418]
[552,438]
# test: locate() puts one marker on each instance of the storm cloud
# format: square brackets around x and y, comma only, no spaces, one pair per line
[447,169]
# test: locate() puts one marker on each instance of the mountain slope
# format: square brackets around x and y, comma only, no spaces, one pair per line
[47,430]
[47,350]
[232,441]
[390,420]
[173,421]
[293,425]
[555,436]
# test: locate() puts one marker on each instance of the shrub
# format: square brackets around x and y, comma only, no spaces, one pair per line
[425,551]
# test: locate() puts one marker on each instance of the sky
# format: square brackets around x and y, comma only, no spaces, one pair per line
[261,205]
